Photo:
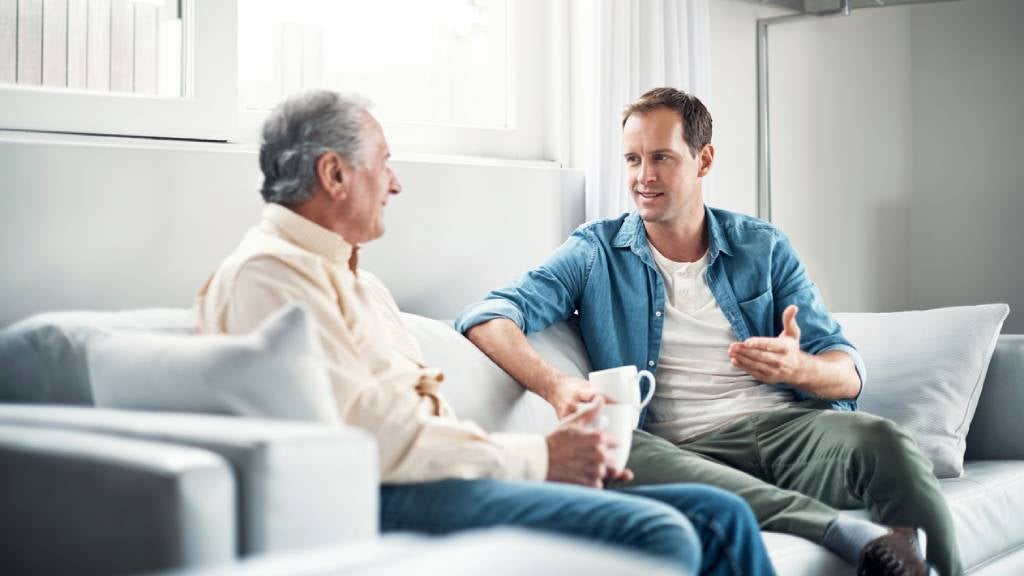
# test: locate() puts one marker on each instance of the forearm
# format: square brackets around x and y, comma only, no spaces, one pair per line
[504,343]
[830,375]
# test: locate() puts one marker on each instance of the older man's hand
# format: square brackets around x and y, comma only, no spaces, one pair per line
[578,452]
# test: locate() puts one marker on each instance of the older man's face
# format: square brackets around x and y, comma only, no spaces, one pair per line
[370,186]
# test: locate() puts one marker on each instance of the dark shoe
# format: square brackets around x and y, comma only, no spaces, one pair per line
[898,553]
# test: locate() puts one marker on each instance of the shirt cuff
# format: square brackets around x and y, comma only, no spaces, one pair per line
[526,455]
[858,363]
[489,310]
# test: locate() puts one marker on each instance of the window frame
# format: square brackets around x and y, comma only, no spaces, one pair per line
[208,113]
[538,116]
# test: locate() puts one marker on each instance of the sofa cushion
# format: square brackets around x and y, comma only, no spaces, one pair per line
[475,387]
[795,556]
[276,371]
[43,358]
[925,371]
[987,504]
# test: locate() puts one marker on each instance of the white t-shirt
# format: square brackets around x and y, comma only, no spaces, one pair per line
[698,389]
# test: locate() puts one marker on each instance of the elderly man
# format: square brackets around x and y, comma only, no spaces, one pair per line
[326,183]
[748,398]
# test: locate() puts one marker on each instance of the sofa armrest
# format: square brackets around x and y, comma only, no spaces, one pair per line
[81,503]
[994,433]
[299,485]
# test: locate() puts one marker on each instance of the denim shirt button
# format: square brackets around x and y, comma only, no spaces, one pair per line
[650,363]
[658,313]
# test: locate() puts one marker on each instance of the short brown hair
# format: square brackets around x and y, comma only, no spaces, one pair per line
[696,118]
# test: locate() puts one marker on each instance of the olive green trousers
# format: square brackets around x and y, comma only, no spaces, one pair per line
[798,466]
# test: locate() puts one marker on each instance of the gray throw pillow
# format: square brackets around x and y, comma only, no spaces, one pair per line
[43,358]
[276,371]
[925,371]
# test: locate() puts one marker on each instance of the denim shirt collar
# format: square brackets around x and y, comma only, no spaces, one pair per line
[633,235]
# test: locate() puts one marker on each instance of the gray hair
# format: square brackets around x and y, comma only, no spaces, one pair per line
[298,131]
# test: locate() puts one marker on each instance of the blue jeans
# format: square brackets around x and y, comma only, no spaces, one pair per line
[698,528]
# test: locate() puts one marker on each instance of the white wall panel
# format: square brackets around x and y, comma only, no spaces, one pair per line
[121,225]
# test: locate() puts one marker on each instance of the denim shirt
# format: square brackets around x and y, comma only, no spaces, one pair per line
[605,274]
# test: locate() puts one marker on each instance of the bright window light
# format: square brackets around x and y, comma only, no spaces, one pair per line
[437,62]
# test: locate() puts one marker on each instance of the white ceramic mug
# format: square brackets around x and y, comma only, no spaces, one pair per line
[622,386]
[618,421]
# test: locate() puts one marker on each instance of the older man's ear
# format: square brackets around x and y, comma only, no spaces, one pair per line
[330,175]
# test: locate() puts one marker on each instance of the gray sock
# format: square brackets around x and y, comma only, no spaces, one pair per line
[847,536]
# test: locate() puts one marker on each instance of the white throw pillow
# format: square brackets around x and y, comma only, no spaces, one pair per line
[277,371]
[925,370]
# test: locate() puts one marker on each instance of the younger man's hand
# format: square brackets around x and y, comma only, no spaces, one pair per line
[569,394]
[773,360]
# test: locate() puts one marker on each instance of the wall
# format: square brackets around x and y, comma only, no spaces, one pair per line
[734,100]
[966,227]
[116,223]
[896,194]
[840,142]
[841,170]
[896,133]
[99,223]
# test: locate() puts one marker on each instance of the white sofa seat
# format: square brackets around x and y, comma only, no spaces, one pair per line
[297,488]
[987,502]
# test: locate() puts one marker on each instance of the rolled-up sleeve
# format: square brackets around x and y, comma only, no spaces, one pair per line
[543,296]
[819,331]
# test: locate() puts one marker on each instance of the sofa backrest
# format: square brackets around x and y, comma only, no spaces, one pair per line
[995,431]
[43,359]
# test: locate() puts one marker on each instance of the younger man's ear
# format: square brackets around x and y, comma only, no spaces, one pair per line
[706,159]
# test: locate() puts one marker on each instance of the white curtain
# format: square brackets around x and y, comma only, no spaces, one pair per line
[627,48]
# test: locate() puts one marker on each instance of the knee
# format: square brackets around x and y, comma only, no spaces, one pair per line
[730,513]
[881,431]
[663,531]
[732,508]
[886,442]
[881,436]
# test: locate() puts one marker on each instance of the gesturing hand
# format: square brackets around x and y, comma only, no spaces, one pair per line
[772,360]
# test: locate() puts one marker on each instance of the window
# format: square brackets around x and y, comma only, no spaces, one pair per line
[105,45]
[467,77]
[470,77]
[449,56]
[121,67]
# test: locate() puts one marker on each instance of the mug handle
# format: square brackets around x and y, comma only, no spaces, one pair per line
[650,391]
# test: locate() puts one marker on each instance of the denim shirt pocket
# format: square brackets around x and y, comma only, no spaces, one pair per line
[759,314]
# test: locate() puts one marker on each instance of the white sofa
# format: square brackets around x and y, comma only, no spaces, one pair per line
[987,501]
[90,490]
[212,488]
